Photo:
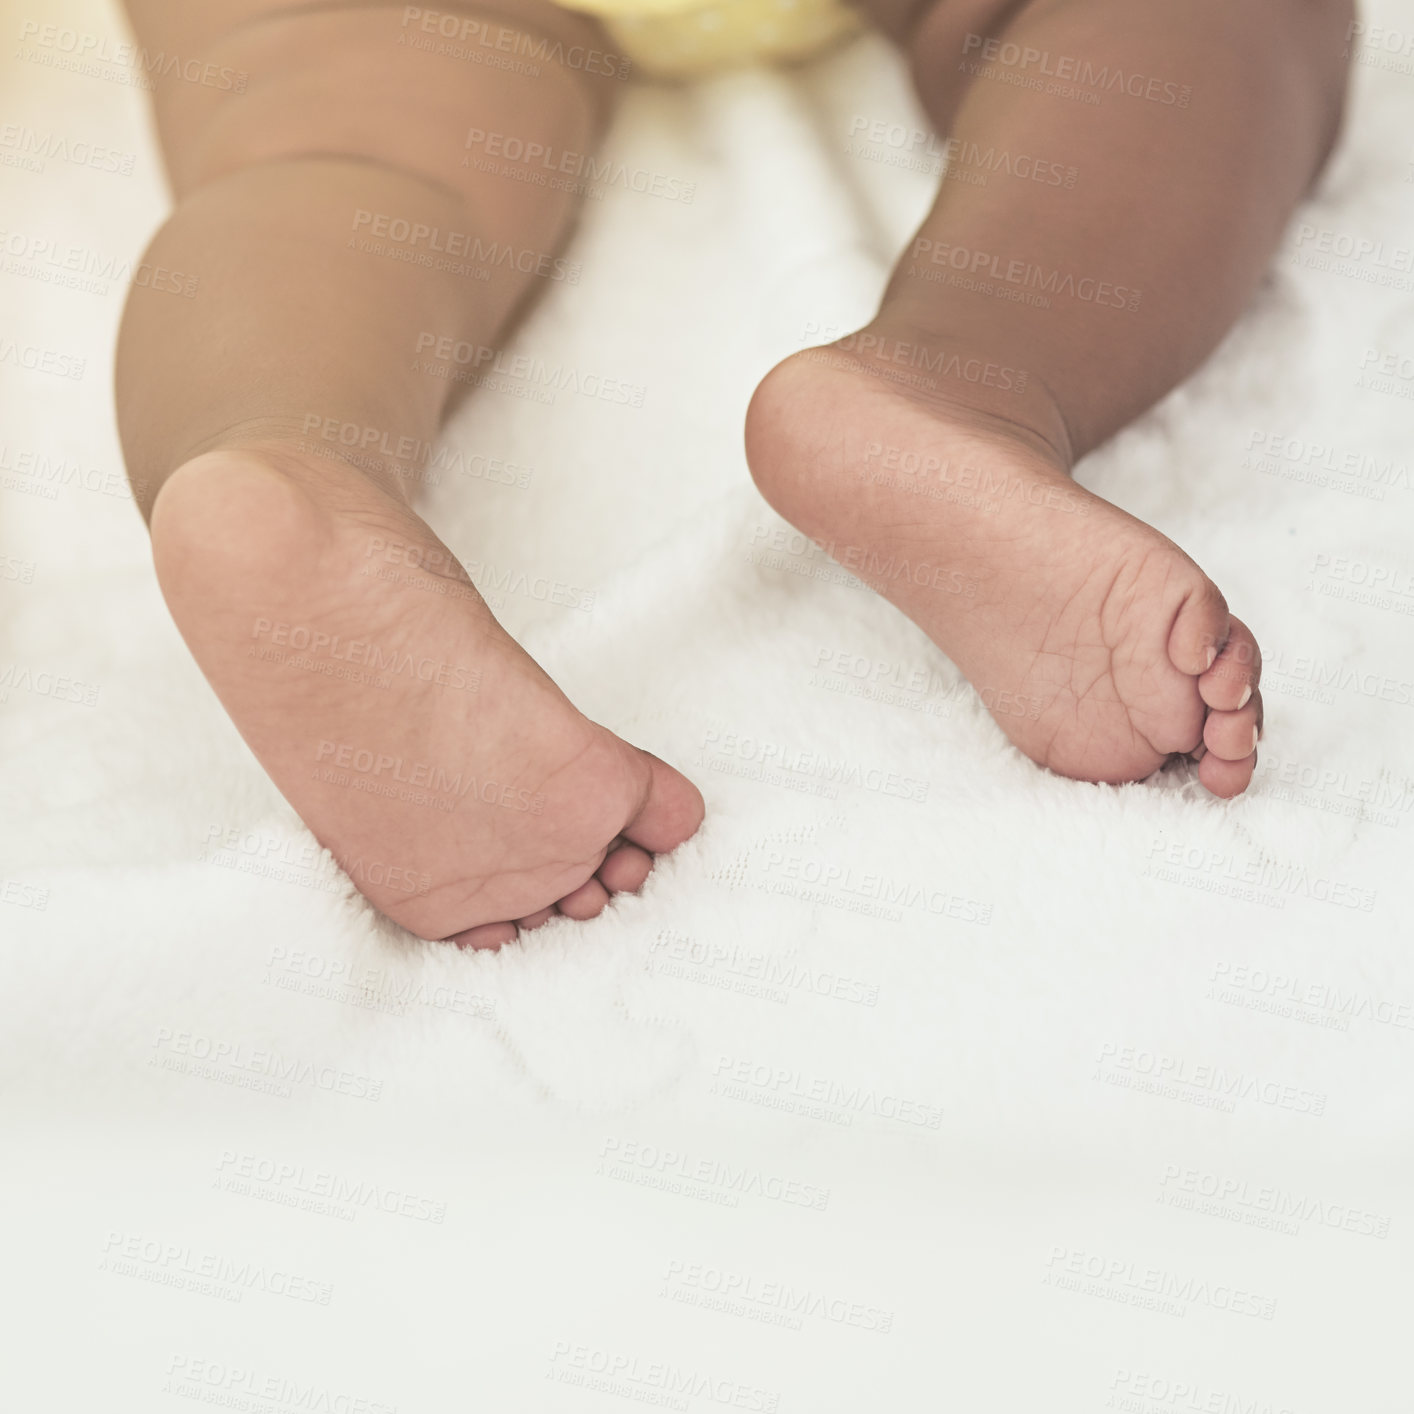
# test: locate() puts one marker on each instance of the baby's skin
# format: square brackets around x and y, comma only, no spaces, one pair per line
[464,793]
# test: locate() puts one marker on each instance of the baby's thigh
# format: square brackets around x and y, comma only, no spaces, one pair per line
[261,80]
[189,29]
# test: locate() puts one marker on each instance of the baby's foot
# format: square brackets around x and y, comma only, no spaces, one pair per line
[446,773]
[1100,648]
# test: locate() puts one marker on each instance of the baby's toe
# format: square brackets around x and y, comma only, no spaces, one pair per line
[1226,778]
[1233,735]
[538,919]
[485,935]
[1231,681]
[626,869]
[587,901]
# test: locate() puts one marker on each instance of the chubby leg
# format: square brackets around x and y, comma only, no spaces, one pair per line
[1120,175]
[424,748]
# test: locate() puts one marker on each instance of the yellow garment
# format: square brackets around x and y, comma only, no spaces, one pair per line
[683,38]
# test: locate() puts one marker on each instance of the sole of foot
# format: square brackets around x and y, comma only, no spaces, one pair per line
[1099,647]
[458,787]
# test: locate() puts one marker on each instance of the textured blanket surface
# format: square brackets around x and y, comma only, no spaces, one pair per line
[920,1079]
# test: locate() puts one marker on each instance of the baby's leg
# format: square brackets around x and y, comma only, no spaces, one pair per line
[1121,172]
[445,771]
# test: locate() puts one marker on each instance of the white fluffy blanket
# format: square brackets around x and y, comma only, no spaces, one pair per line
[988,1091]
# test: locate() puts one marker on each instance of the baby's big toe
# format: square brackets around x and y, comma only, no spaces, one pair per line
[670,812]
[1201,628]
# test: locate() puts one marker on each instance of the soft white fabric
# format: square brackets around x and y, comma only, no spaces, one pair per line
[1042,982]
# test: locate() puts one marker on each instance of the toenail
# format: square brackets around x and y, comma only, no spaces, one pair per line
[1246,693]
[1255,735]
[1212,654]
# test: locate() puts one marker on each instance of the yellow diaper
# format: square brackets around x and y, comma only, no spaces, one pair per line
[683,38]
